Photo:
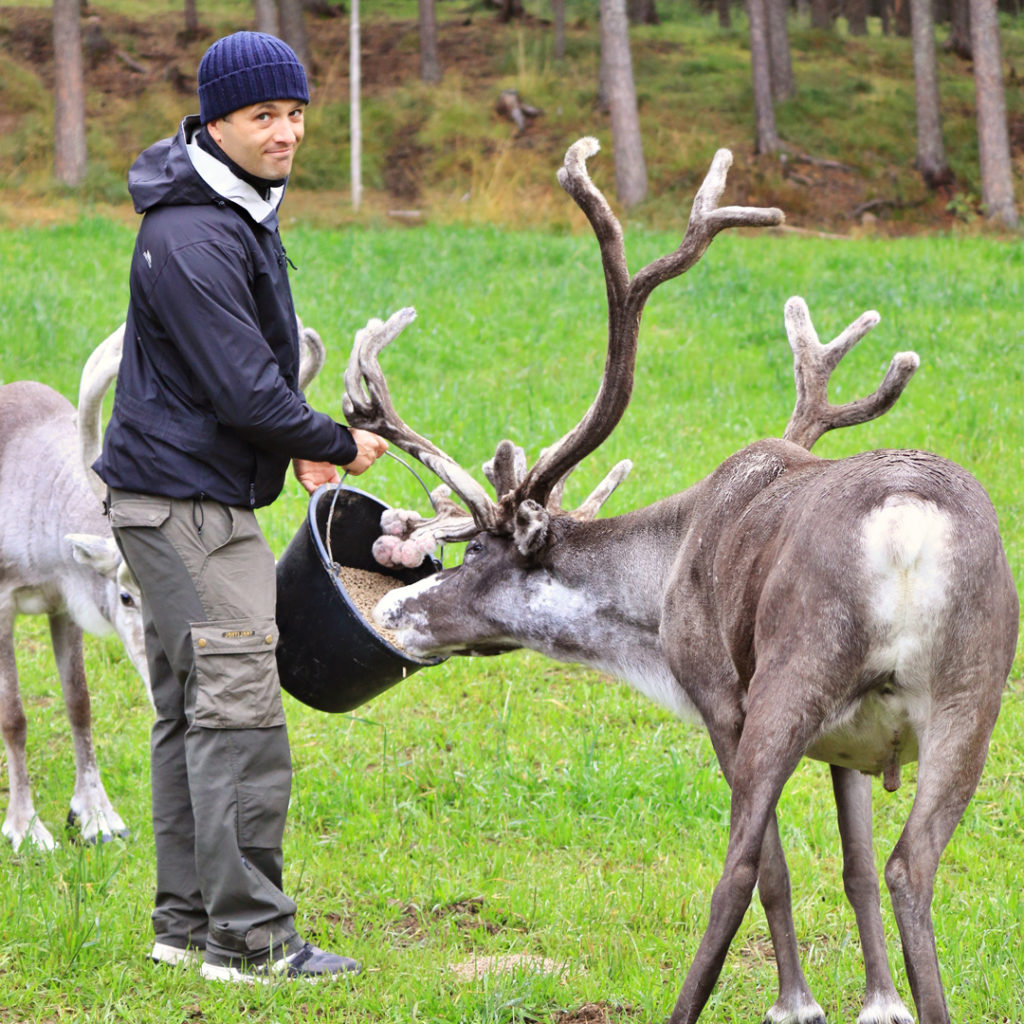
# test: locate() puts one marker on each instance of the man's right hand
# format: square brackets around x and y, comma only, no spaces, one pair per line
[370,448]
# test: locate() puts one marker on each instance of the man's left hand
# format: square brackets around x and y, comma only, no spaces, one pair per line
[314,474]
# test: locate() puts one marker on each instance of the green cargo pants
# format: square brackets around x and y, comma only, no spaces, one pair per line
[219,756]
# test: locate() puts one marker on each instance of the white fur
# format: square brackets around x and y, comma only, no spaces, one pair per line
[907,563]
[885,1010]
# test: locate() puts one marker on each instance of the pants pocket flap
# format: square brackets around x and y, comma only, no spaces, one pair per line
[126,512]
[229,636]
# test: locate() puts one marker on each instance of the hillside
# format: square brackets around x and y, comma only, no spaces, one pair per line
[446,153]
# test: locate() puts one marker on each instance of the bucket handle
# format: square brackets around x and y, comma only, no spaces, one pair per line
[337,490]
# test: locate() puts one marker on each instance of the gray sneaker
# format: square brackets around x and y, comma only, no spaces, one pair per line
[308,962]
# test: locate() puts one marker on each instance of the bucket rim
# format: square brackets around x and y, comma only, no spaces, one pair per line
[327,562]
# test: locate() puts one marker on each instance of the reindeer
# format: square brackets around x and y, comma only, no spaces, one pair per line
[58,558]
[858,611]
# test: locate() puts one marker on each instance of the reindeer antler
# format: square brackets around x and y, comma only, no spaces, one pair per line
[98,374]
[626,300]
[813,364]
[312,354]
[371,408]
[526,499]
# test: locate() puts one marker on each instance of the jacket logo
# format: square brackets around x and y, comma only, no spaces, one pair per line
[148,258]
[236,634]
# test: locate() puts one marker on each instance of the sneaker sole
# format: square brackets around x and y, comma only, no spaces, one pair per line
[173,955]
[232,975]
[276,973]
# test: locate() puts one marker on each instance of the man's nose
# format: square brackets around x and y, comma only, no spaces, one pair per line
[286,131]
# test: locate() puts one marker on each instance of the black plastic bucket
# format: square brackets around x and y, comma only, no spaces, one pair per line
[328,655]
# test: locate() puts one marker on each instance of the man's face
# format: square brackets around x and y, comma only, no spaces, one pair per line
[262,139]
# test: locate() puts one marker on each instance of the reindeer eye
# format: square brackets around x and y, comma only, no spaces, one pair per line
[474,547]
[127,600]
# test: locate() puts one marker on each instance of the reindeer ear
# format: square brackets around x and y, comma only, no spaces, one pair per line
[531,532]
[99,553]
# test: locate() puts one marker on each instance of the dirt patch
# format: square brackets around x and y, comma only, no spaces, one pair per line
[465,915]
[509,963]
[598,1013]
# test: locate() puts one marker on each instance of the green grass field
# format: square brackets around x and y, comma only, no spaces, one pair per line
[515,806]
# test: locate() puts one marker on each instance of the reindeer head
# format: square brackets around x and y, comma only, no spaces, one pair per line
[520,526]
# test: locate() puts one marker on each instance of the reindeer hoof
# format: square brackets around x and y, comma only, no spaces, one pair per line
[33,837]
[886,1010]
[93,838]
[812,1014]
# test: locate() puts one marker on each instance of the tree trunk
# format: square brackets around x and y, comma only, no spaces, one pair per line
[191,20]
[69,150]
[766,136]
[558,16]
[990,99]
[642,12]
[430,62]
[630,169]
[724,14]
[901,17]
[293,30]
[266,16]
[931,154]
[780,64]
[959,40]
[856,17]
[885,14]
[821,15]
[509,9]
[355,75]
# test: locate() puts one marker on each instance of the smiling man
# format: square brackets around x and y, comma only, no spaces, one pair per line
[207,415]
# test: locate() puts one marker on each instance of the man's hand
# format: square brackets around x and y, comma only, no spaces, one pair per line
[312,474]
[371,448]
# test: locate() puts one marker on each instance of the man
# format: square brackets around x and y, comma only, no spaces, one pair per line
[207,415]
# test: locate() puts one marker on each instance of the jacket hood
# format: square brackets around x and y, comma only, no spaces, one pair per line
[163,174]
[179,172]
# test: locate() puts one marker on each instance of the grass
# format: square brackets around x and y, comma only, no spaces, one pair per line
[515,806]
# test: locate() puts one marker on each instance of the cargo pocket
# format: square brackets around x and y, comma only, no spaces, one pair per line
[128,512]
[237,685]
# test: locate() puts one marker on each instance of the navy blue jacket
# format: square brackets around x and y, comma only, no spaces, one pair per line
[207,400]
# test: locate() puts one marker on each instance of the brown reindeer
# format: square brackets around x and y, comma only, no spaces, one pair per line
[859,611]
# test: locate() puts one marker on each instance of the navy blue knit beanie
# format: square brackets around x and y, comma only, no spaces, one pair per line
[246,68]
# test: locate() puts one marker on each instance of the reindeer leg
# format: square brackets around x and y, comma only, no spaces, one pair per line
[952,755]
[21,822]
[882,1004]
[795,1003]
[91,809]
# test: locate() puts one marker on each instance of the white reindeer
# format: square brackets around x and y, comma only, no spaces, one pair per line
[58,558]
[858,611]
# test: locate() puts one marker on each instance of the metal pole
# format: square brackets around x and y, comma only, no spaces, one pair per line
[356,132]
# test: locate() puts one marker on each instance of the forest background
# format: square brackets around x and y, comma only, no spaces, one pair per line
[449,150]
